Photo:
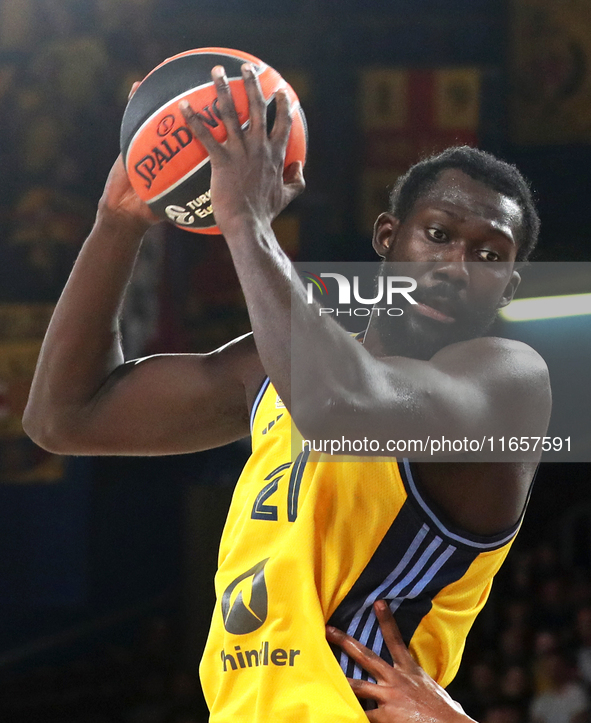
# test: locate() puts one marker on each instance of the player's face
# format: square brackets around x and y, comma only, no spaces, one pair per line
[460,243]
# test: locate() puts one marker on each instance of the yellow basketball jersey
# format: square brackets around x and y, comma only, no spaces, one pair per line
[313,540]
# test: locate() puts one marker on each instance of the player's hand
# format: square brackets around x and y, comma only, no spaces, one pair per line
[403,691]
[248,182]
[120,202]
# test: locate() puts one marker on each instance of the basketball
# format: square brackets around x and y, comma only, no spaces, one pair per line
[168,168]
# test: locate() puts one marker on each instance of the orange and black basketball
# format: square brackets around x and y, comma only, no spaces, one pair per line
[168,168]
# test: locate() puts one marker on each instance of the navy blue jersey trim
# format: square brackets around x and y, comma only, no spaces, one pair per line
[412,563]
[481,542]
[257,401]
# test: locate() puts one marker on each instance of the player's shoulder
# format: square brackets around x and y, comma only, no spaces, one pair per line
[493,352]
[242,345]
[511,355]
[236,361]
[242,354]
[506,378]
[507,368]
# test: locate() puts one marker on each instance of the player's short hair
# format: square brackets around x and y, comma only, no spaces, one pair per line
[502,177]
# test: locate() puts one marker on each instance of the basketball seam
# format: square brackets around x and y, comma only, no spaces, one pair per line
[176,184]
[260,64]
[176,99]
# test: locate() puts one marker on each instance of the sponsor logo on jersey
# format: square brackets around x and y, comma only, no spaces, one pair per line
[278,403]
[244,602]
[239,658]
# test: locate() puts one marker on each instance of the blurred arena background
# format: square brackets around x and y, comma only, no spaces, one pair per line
[106,565]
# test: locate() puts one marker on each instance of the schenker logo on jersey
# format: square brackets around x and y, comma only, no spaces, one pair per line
[244,602]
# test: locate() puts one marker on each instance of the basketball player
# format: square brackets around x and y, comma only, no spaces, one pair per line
[308,540]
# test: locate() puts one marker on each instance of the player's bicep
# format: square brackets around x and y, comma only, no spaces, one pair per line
[170,404]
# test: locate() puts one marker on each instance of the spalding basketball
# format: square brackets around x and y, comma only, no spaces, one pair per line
[168,168]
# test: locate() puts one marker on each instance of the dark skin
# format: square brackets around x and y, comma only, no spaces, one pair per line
[460,242]
[86,399]
[403,691]
[471,233]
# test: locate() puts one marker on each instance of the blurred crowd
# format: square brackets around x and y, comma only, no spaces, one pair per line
[142,683]
[528,659]
[65,71]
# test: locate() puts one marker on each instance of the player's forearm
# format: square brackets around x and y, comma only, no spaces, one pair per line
[307,357]
[264,274]
[82,346]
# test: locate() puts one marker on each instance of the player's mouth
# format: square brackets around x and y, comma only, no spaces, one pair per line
[445,317]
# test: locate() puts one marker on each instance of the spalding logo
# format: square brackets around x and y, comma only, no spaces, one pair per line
[151,164]
[165,125]
[244,602]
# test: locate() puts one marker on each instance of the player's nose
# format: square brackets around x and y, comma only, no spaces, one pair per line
[453,267]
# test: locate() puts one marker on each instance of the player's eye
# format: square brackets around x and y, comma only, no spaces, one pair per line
[436,234]
[488,255]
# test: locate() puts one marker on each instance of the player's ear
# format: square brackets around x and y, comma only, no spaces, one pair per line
[510,289]
[384,233]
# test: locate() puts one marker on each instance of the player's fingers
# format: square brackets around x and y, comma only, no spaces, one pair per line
[199,129]
[363,656]
[293,181]
[367,690]
[134,87]
[392,636]
[294,174]
[257,108]
[283,121]
[226,102]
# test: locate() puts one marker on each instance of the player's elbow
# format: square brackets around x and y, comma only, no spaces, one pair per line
[33,424]
[40,433]
[48,431]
